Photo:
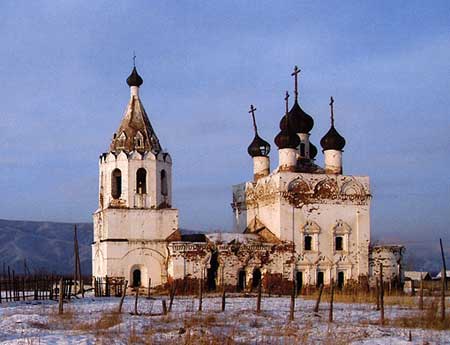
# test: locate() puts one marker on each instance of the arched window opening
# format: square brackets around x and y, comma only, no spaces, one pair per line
[256,278]
[164,187]
[308,242]
[116,184]
[339,243]
[141,181]
[302,149]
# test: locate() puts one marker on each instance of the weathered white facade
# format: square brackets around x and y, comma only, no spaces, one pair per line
[297,222]
[134,216]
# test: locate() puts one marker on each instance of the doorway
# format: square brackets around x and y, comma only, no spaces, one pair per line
[299,282]
[319,279]
[241,281]
[211,275]
[137,278]
[341,278]
[256,278]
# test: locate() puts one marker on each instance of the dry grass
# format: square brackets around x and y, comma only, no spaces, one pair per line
[425,319]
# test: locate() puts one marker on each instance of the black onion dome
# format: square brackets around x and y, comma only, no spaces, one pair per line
[287,139]
[312,150]
[134,79]
[332,140]
[299,121]
[259,147]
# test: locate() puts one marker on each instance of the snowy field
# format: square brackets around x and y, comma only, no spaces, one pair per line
[95,321]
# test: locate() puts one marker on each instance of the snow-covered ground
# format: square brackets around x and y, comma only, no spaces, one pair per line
[92,321]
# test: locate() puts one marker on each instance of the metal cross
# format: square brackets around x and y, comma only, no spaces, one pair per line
[332,111]
[134,58]
[286,98]
[252,111]
[295,75]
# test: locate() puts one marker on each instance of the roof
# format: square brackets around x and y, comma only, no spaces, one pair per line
[135,131]
[417,275]
[438,276]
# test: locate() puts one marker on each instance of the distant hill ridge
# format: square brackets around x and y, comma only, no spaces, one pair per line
[48,246]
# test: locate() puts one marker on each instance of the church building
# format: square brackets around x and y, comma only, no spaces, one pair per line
[296,222]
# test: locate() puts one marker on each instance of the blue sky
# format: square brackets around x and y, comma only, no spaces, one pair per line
[63,67]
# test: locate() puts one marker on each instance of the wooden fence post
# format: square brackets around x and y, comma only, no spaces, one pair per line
[223,297]
[316,308]
[124,292]
[443,294]
[164,306]
[136,301]
[200,293]
[258,299]
[421,292]
[149,288]
[173,289]
[381,295]
[330,315]
[377,291]
[292,306]
[61,296]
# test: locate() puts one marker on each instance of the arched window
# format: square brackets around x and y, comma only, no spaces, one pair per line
[164,187]
[308,242]
[141,181]
[339,243]
[302,149]
[116,183]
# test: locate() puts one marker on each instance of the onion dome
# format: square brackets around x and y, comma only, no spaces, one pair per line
[259,147]
[332,140]
[286,139]
[300,121]
[312,150]
[134,79]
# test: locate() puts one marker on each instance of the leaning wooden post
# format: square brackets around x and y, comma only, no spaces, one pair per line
[292,306]
[330,315]
[377,291]
[149,288]
[381,295]
[173,289]
[164,306]
[200,293]
[136,301]
[316,308]
[124,292]
[421,292]
[443,294]
[61,296]
[258,299]
[223,298]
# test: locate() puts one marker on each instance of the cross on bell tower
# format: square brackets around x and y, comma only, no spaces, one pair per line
[252,111]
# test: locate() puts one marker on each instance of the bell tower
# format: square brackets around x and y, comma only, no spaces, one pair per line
[135,214]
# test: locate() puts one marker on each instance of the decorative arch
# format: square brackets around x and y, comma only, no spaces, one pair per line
[352,188]
[326,189]
[299,186]
[311,227]
[341,227]
[139,140]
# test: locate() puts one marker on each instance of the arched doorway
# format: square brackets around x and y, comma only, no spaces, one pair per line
[211,274]
[241,281]
[299,281]
[341,278]
[319,279]
[256,278]
[137,277]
